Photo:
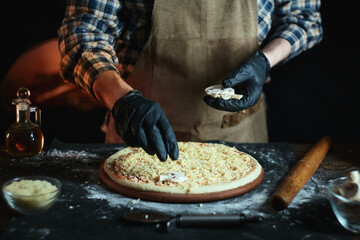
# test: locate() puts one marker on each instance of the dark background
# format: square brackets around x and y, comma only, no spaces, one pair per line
[315,94]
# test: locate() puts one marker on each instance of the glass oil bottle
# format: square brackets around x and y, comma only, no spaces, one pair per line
[24,137]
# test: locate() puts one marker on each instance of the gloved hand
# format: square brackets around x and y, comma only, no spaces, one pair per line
[247,80]
[142,123]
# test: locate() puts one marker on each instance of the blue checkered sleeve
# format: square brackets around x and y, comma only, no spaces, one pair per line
[297,21]
[86,40]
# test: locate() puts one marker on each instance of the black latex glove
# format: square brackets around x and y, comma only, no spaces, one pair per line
[247,80]
[142,123]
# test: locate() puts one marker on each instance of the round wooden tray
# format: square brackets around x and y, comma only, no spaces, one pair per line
[177,197]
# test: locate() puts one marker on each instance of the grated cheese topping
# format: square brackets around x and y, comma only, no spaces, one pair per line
[203,164]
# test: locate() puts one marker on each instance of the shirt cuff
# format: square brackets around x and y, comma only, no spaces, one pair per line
[295,36]
[90,67]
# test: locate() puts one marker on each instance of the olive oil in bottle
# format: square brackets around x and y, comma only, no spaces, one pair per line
[24,138]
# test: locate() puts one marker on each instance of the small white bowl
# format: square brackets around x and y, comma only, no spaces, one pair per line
[32,204]
[346,211]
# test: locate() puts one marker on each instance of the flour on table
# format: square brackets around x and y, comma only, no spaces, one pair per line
[249,204]
[229,206]
[40,233]
[72,154]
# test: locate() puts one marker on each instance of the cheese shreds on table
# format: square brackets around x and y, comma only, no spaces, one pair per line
[208,167]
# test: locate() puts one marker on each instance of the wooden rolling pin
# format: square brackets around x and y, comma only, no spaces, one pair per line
[300,174]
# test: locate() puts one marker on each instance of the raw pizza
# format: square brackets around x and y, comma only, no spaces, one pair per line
[200,168]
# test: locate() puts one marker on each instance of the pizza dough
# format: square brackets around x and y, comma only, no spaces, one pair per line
[201,168]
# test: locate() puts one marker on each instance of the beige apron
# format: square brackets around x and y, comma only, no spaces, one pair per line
[194,44]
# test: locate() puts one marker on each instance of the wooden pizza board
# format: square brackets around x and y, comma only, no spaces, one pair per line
[177,197]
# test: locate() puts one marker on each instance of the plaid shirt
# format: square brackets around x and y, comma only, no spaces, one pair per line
[101,35]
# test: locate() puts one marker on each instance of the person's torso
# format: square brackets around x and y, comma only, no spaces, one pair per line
[194,44]
[135,16]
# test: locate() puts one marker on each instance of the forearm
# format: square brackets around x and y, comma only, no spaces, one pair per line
[86,39]
[298,22]
[277,50]
[109,87]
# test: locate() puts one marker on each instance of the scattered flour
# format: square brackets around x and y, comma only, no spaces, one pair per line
[253,203]
[84,156]
[39,233]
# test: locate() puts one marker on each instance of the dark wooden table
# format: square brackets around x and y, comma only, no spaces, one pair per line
[96,210]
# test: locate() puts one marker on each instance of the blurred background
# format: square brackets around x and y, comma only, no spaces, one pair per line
[315,94]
